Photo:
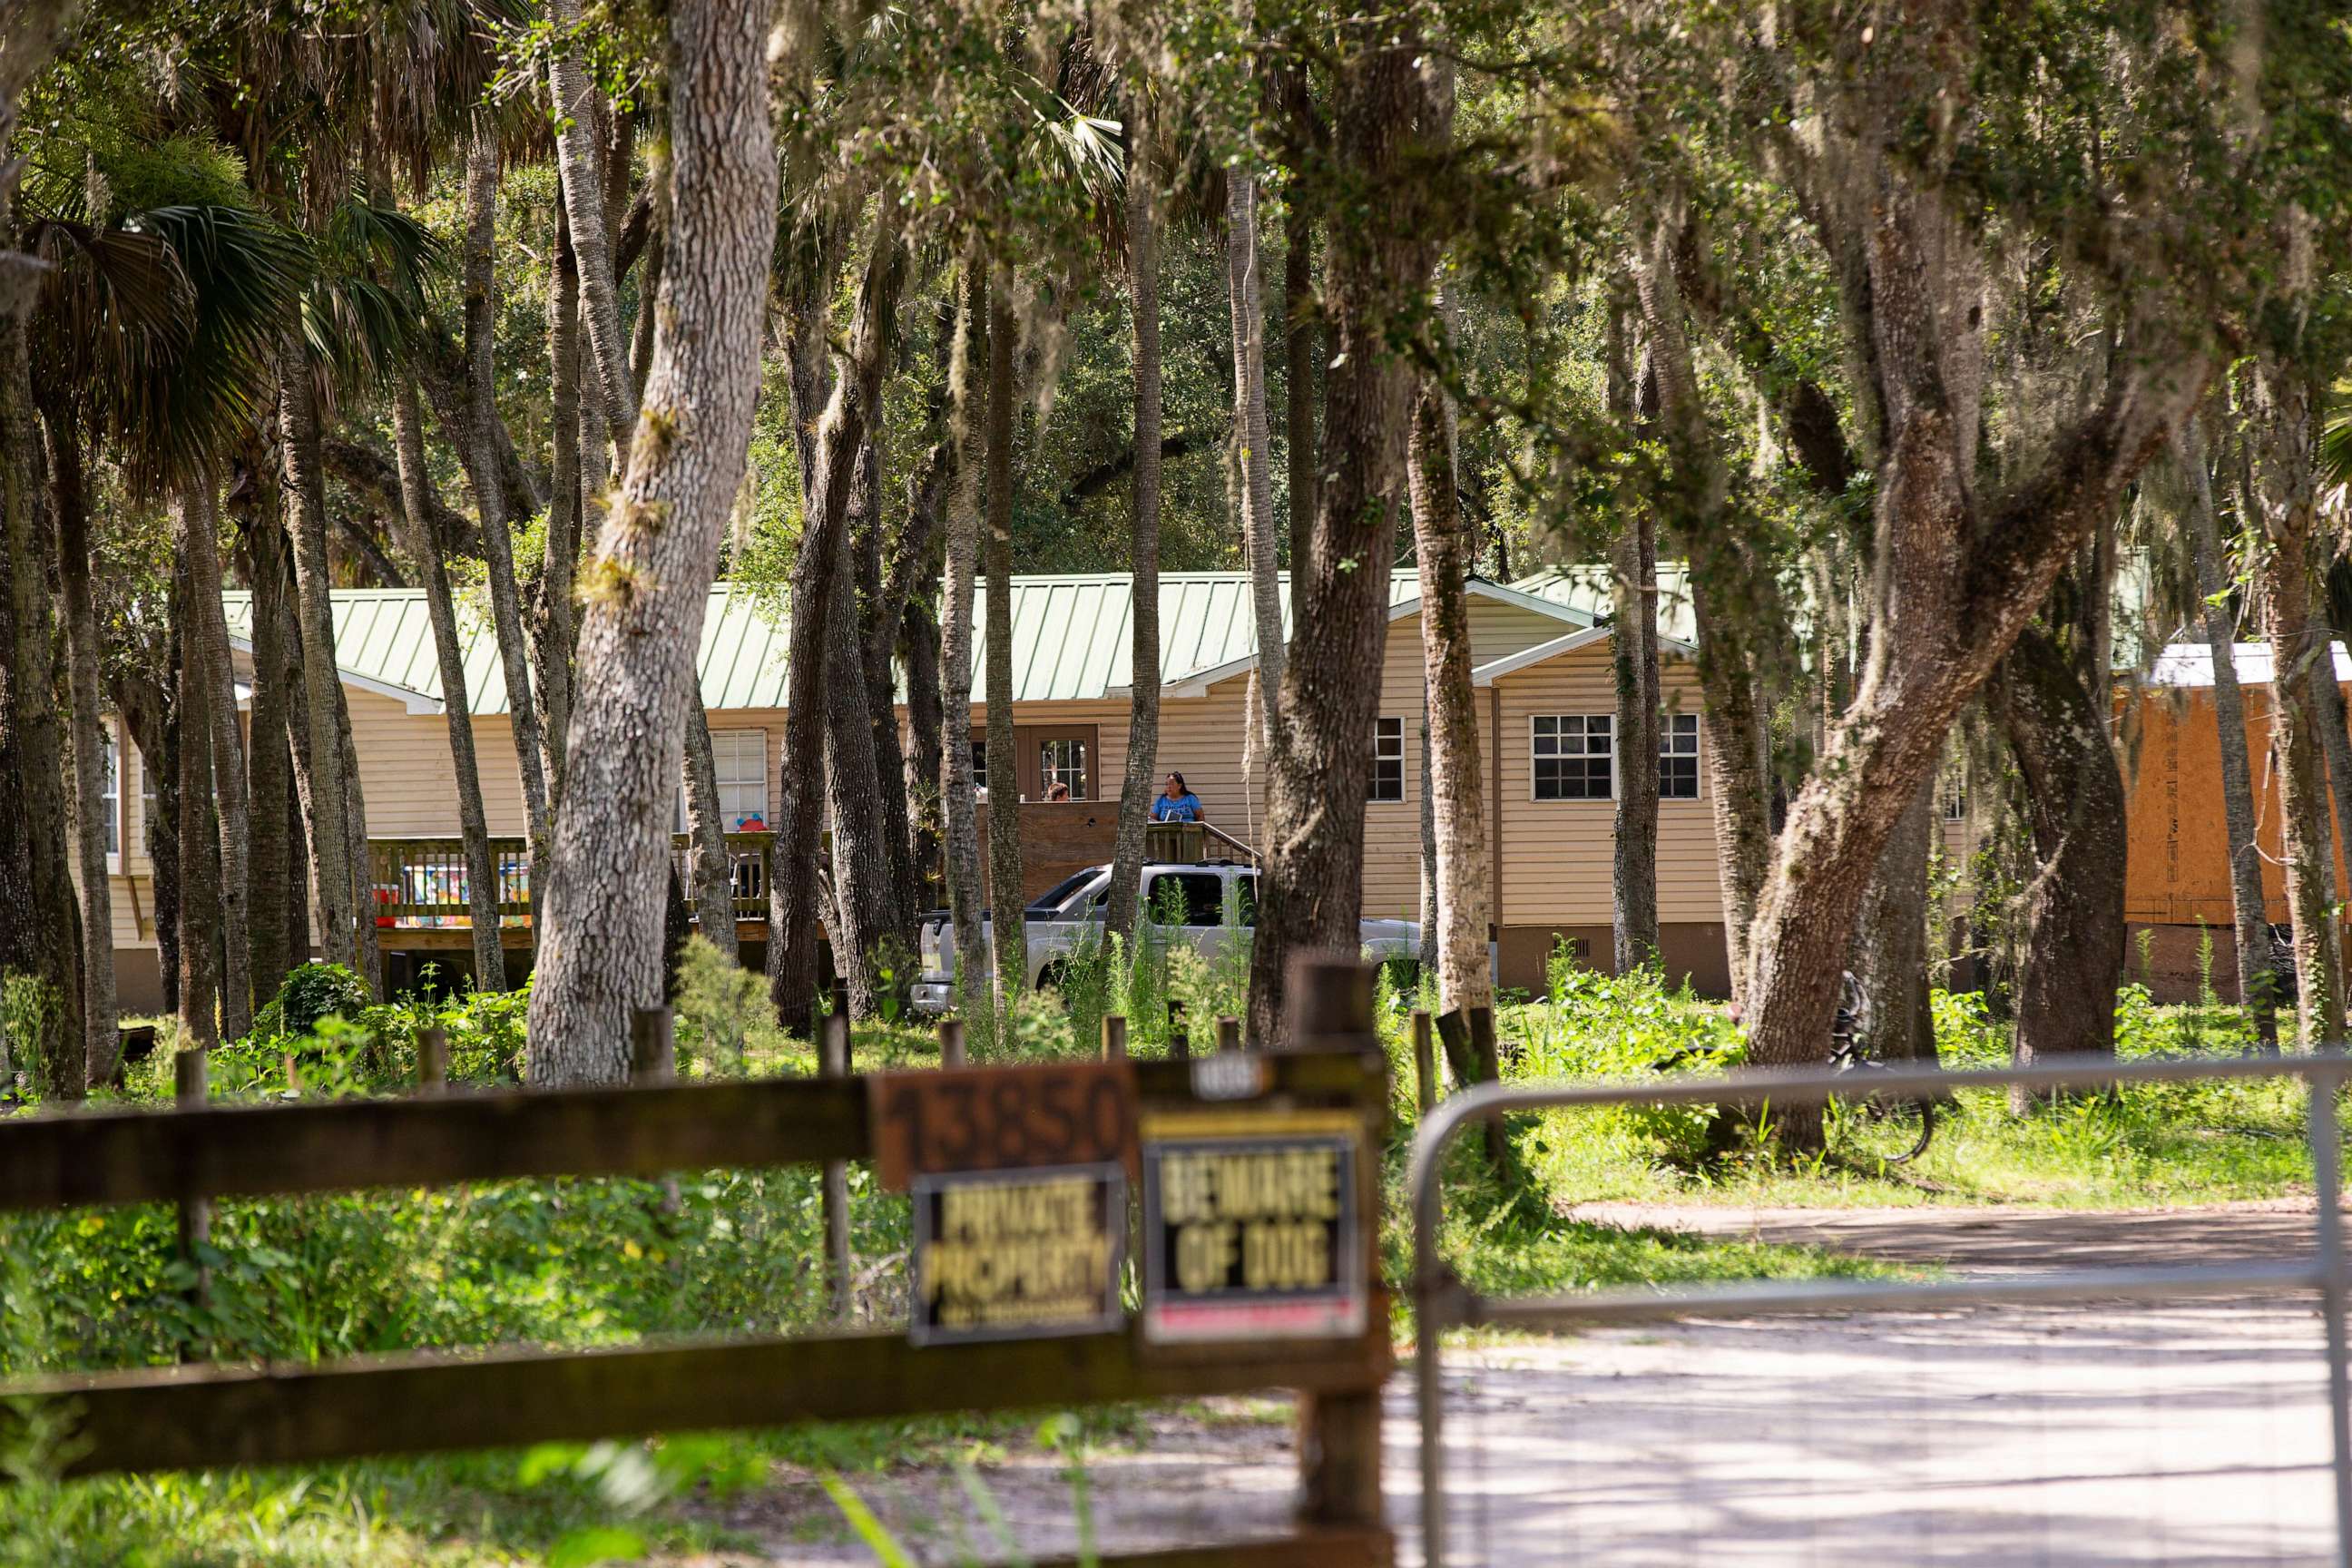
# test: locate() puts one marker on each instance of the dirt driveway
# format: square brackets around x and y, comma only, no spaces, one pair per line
[2107,1434]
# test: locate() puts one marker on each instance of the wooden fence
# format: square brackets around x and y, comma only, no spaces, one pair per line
[211,1416]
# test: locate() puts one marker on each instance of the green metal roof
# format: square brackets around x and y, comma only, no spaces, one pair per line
[1072,638]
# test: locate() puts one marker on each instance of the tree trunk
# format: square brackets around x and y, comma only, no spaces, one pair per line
[303,846]
[1141,782]
[959,808]
[560,565]
[208,645]
[29,713]
[1456,771]
[191,706]
[580,159]
[796,900]
[269,851]
[498,545]
[1305,367]
[1253,455]
[2336,755]
[2257,979]
[424,546]
[1004,778]
[2285,423]
[69,503]
[861,853]
[1633,656]
[1890,940]
[911,565]
[1311,894]
[1957,574]
[919,649]
[1731,595]
[863,699]
[650,583]
[705,831]
[2075,806]
[324,711]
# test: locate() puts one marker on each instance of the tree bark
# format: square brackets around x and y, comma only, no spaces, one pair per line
[560,565]
[912,564]
[208,646]
[2075,806]
[861,850]
[706,829]
[1890,940]
[1731,595]
[797,899]
[498,545]
[29,713]
[959,808]
[1305,364]
[1311,894]
[919,649]
[69,505]
[191,706]
[2286,425]
[1141,782]
[324,710]
[867,713]
[649,585]
[1004,779]
[424,546]
[2257,979]
[580,159]
[1957,577]
[1634,656]
[269,850]
[1245,299]
[1457,770]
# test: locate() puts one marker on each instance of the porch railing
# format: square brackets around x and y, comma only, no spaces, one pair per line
[425,883]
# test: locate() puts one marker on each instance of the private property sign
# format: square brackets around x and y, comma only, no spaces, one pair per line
[1017,1254]
[1251,1228]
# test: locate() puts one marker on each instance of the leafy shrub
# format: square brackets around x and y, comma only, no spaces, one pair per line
[313,991]
[721,1007]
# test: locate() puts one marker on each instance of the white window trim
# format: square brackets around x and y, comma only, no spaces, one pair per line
[767,785]
[1699,794]
[1609,799]
[1403,778]
[114,856]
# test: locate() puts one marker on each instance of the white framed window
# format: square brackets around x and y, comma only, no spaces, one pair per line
[741,760]
[979,764]
[1061,760]
[1388,760]
[1573,756]
[113,795]
[1953,799]
[1678,756]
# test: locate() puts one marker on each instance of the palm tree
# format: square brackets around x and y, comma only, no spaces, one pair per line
[151,338]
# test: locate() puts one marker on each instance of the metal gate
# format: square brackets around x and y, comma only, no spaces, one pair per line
[1442,1301]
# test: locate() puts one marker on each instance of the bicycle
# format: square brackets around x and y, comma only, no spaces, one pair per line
[1890,1128]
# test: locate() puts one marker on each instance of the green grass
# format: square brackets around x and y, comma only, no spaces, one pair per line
[577,1263]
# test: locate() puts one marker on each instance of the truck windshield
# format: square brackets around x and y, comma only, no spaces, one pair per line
[1054,897]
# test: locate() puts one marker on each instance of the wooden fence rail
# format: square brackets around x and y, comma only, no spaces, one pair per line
[207,1416]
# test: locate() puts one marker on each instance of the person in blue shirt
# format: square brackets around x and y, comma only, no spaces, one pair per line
[1175,803]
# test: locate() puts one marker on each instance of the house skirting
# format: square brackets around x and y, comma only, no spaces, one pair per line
[1692,951]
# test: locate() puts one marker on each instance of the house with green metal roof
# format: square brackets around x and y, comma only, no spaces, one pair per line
[1542,676]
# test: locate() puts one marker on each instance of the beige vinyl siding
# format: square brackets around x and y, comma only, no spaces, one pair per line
[1558,854]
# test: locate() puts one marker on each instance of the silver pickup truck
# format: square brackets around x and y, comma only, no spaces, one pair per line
[1218,902]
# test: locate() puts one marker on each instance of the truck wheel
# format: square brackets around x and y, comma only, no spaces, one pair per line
[1050,977]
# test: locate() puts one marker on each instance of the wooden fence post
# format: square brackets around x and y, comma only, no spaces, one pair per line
[833,1061]
[653,1045]
[1425,1062]
[1330,1008]
[432,1061]
[189,1088]
[653,1060]
[951,1047]
[1114,1037]
[1229,1034]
